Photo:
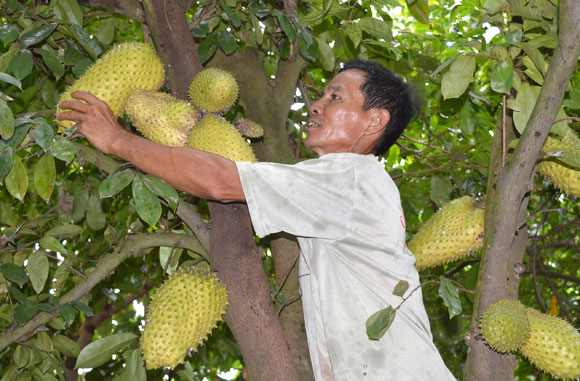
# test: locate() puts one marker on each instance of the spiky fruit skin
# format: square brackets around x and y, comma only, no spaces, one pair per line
[249,128]
[215,134]
[564,177]
[161,117]
[505,326]
[453,232]
[213,90]
[553,346]
[126,67]
[181,315]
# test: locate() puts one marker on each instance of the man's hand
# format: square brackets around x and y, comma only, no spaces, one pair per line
[94,119]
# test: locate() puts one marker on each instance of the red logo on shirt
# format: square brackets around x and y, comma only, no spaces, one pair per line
[402,219]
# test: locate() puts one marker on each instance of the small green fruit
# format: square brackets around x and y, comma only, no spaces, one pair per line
[505,326]
[213,90]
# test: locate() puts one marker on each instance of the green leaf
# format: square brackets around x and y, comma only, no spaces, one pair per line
[8,33]
[62,149]
[459,76]
[11,80]
[67,312]
[207,48]
[286,25]
[51,243]
[376,28]
[52,62]
[401,288]
[100,351]
[106,33]
[14,273]
[96,218]
[419,9]
[354,34]
[21,64]
[80,203]
[45,176]
[226,42]
[16,180]
[21,356]
[231,14]
[200,30]
[43,133]
[116,183]
[162,189]
[164,255]
[5,163]
[379,322]
[49,94]
[66,346]
[326,55]
[256,29]
[88,44]
[69,10]
[25,311]
[570,159]
[17,294]
[135,366]
[6,121]
[20,133]
[37,35]
[450,295]
[64,231]
[502,77]
[440,190]
[146,202]
[306,45]
[523,105]
[88,311]
[38,268]
[514,38]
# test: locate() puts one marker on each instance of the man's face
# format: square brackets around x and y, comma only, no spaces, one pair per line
[337,120]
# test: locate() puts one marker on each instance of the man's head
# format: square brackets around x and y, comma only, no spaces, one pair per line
[363,109]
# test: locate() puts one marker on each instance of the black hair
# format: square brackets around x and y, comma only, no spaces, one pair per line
[385,90]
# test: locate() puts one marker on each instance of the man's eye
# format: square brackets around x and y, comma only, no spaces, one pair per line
[334,96]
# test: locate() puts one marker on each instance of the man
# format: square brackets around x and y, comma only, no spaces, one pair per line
[343,208]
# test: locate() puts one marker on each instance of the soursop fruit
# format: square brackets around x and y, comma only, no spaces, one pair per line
[249,128]
[213,90]
[504,325]
[454,232]
[126,67]
[215,134]
[161,117]
[182,313]
[560,174]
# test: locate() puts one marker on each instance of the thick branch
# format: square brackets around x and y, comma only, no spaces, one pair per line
[135,244]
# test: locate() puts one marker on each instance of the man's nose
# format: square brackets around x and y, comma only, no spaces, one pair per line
[316,107]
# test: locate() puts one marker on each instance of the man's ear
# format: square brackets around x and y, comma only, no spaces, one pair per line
[378,121]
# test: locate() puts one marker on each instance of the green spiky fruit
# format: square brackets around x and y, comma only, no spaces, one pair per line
[560,174]
[505,326]
[181,315]
[249,128]
[453,232]
[126,67]
[161,117]
[554,345]
[214,134]
[213,90]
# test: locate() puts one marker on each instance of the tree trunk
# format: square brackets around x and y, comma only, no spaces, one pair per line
[507,209]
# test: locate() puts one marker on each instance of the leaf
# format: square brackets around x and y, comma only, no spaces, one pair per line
[66,346]
[88,44]
[376,28]
[306,45]
[38,268]
[502,77]
[67,312]
[20,133]
[135,366]
[69,10]
[25,311]
[116,183]
[43,133]
[16,180]
[419,9]
[459,76]
[146,202]
[165,253]
[106,33]
[207,48]
[440,190]
[231,14]
[514,38]
[286,25]
[52,244]
[162,189]
[80,203]
[21,64]
[52,62]
[226,42]
[37,35]
[88,311]
[21,356]
[5,163]
[6,121]
[523,105]
[64,231]
[96,218]
[44,176]
[8,33]
[379,322]
[49,94]
[11,80]
[100,351]
[17,294]
[62,149]
[450,295]
[326,55]
[200,30]
[14,273]
[401,288]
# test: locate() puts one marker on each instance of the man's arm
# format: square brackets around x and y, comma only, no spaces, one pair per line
[199,173]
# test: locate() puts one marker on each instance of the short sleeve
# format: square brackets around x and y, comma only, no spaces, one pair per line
[313,198]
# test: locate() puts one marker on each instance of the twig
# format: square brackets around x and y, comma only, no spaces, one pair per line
[286,276]
[535,279]
[552,274]
[67,266]
[304,94]
[441,168]
[534,215]
[425,144]
[577,119]
[503,138]
[287,303]
[556,229]
[460,266]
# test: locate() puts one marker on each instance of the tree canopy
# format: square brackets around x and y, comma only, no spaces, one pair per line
[85,239]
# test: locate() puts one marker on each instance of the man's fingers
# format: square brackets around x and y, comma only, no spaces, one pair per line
[74,116]
[75,106]
[87,97]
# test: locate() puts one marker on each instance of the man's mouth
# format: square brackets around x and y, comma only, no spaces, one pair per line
[311,124]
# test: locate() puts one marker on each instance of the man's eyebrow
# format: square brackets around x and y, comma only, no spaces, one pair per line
[336,88]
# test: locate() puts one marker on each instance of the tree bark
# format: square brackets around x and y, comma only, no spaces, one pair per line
[502,243]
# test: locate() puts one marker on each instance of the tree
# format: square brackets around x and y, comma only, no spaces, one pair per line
[74,264]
